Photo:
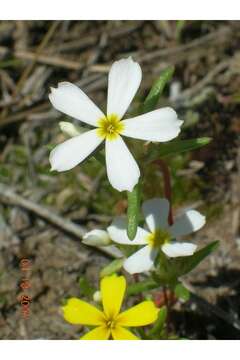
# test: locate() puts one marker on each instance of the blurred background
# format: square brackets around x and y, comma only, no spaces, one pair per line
[43,214]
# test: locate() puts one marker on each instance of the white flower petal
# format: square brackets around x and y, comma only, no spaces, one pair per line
[123,171]
[189,222]
[123,82]
[158,125]
[71,100]
[156,213]
[179,249]
[70,153]
[96,237]
[117,232]
[140,261]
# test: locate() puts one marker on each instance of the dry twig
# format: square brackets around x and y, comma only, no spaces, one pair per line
[7,195]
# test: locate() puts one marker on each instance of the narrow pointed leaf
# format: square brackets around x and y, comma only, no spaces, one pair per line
[181,292]
[169,270]
[185,264]
[157,89]
[160,322]
[176,147]
[114,266]
[133,211]
[142,286]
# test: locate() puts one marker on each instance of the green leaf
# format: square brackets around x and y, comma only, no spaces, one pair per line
[100,158]
[187,263]
[181,292]
[169,270]
[133,211]
[142,286]
[179,28]
[176,147]
[157,89]
[114,266]
[160,322]
[86,289]
[165,273]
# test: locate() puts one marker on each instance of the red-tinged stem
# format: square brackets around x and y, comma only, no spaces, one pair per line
[167,186]
[168,308]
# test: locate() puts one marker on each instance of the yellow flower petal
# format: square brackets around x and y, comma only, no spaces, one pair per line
[142,314]
[100,333]
[119,333]
[112,290]
[80,312]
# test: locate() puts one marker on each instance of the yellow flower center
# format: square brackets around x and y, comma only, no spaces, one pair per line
[158,238]
[111,324]
[109,127]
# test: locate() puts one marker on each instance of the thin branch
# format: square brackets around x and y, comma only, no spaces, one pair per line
[210,308]
[167,186]
[49,60]
[8,196]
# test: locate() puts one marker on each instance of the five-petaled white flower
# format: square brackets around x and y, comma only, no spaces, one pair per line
[161,235]
[123,82]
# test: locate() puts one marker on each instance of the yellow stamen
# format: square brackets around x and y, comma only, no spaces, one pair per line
[158,238]
[111,324]
[110,127]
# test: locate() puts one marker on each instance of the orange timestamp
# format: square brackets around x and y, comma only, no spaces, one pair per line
[25,284]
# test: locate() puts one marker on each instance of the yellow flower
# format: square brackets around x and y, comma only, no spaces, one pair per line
[110,323]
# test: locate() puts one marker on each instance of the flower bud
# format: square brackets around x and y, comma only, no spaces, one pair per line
[96,238]
[69,128]
[97,296]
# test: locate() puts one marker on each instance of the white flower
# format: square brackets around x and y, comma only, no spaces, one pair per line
[160,236]
[123,82]
[96,238]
